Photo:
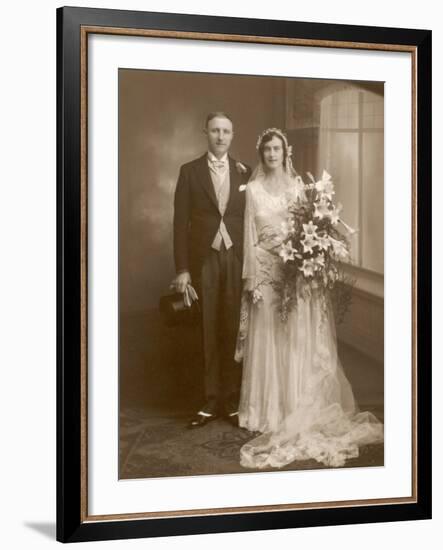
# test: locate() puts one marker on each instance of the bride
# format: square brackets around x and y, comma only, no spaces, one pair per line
[294,390]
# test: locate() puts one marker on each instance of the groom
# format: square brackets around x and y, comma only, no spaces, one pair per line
[208,245]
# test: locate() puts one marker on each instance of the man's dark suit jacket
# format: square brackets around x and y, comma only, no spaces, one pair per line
[197,217]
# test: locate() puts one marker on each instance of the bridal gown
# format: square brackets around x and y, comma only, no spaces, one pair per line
[294,390]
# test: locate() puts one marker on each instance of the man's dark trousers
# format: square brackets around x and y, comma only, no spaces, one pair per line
[219,288]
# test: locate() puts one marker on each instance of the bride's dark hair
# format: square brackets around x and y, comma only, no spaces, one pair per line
[265,139]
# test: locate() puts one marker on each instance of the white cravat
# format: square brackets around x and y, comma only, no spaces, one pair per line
[217,166]
[219,170]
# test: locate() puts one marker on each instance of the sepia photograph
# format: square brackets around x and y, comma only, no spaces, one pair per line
[251,273]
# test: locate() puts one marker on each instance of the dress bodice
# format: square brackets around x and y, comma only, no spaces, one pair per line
[269,210]
[264,216]
[267,206]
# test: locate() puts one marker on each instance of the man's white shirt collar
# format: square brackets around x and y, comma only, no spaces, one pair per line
[213,158]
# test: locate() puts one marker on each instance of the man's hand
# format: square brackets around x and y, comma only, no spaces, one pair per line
[181,281]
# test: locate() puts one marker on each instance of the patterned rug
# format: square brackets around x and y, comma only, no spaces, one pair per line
[153,444]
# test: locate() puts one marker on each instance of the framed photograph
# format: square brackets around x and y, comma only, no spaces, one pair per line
[244,274]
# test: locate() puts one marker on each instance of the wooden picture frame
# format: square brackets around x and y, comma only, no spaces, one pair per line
[74,26]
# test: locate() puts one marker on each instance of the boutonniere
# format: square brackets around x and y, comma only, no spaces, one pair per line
[242,187]
[241,168]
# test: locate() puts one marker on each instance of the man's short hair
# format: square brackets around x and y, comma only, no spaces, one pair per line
[217,114]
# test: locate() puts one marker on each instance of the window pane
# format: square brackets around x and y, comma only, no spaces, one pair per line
[373,202]
[339,156]
[372,110]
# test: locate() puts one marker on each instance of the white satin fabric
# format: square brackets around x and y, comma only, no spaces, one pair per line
[294,390]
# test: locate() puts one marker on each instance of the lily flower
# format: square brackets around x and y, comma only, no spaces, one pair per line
[287,252]
[339,249]
[319,261]
[310,229]
[323,242]
[334,214]
[308,243]
[308,268]
[325,185]
[322,209]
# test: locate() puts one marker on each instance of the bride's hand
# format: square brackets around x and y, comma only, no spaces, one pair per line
[248,285]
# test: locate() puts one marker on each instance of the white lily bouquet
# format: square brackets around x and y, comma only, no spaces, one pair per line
[314,243]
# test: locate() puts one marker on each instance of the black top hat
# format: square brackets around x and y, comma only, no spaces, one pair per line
[175,312]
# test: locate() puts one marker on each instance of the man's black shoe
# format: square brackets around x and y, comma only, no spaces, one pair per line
[201,420]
